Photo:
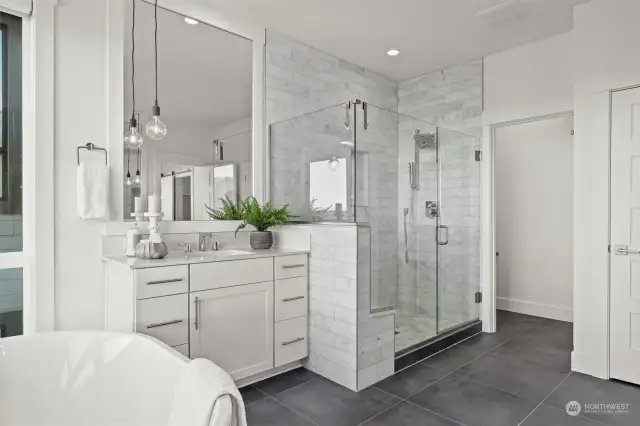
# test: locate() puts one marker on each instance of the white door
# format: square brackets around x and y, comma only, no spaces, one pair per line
[202,192]
[625,237]
[233,327]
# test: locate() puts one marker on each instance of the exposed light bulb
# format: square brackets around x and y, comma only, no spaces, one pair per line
[127,181]
[156,129]
[132,137]
[333,164]
[137,179]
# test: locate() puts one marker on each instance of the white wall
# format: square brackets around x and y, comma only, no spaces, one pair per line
[606,34]
[534,217]
[81,114]
[530,80]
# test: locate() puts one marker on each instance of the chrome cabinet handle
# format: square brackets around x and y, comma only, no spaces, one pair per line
[291,299]
[162,324]
[195,313]
[173,280]
[297,265]
[291,342]
[624,250]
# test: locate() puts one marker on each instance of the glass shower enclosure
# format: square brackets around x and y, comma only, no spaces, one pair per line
[412,186]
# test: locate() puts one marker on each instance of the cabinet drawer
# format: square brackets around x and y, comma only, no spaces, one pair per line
[291,298]
[291,341]
[291,266]
[207,276]
[183,349]
[165,318]
[162,281]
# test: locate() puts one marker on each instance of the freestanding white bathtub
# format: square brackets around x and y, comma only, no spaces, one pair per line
[110,379]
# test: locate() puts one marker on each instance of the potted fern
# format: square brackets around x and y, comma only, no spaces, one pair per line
[262,218]
[229,210]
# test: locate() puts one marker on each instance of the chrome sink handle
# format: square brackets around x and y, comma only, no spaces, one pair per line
[187,247]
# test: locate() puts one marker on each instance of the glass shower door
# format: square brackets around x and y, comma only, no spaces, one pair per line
[458,237]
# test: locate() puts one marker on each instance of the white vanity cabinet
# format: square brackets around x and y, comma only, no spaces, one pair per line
[247,315]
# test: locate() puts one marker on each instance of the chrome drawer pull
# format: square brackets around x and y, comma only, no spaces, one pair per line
[291,342]
[162,324]
[195,313]
[291,299]
[297,265]
[173,280]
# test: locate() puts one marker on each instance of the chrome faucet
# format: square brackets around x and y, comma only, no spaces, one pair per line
[202,239]
[215,245]
[187,247]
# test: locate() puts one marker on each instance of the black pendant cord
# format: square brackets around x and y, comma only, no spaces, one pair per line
[139,160]
[128,162]
[156,46]
[133,60]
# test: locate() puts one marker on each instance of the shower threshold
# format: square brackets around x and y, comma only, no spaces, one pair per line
[416,353]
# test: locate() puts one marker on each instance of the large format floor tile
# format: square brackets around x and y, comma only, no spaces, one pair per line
[545,415]
[329,404]
[269,412]
[472,403]
[408,414]
[590,390]
[286,381]
[411,380]
[536,352]
[251,395]
[451,359]
[513,374]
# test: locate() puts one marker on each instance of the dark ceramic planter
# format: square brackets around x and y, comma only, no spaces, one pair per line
[261,240]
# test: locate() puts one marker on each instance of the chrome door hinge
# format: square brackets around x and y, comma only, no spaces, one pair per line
[478,155]
[478,297]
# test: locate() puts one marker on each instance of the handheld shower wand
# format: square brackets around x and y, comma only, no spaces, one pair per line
[406,242]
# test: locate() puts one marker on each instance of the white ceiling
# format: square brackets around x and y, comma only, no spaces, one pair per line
[431,34]
[205,74]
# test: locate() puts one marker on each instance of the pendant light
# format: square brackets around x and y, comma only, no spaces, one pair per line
[127,180]
[137,179]
[156,129]
[333,164]
[133,138]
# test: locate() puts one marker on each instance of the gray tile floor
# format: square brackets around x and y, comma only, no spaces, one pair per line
[517,376]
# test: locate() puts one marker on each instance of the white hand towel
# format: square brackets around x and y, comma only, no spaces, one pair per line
[93,191]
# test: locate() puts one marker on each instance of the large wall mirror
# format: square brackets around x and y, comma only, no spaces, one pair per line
[205,96]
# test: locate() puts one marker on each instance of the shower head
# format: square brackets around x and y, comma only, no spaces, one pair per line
[424,140]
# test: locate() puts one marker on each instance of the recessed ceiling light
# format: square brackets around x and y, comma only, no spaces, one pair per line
[191,21]
[393,52]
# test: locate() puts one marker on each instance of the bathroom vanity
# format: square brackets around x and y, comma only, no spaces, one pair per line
[244,310]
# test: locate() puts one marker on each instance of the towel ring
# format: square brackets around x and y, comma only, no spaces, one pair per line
[90,146]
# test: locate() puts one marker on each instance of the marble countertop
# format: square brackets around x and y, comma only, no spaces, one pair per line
[181,258]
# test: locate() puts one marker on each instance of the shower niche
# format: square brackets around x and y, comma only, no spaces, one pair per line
[413,191]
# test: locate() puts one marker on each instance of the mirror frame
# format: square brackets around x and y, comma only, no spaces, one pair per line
[208,15]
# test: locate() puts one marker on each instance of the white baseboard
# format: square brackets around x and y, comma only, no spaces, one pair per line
[559,313]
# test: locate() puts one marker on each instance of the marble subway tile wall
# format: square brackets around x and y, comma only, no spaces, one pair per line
[443,282]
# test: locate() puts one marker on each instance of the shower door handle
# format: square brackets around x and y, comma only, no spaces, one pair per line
[446,231]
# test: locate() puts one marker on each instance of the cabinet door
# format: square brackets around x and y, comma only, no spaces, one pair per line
[233,327]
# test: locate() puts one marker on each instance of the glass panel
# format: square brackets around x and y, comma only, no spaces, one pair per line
[312,166]
[10,302]
[417,310]
[459,234]
[11,131]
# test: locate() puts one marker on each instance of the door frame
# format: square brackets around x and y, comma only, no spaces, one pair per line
[488,216]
